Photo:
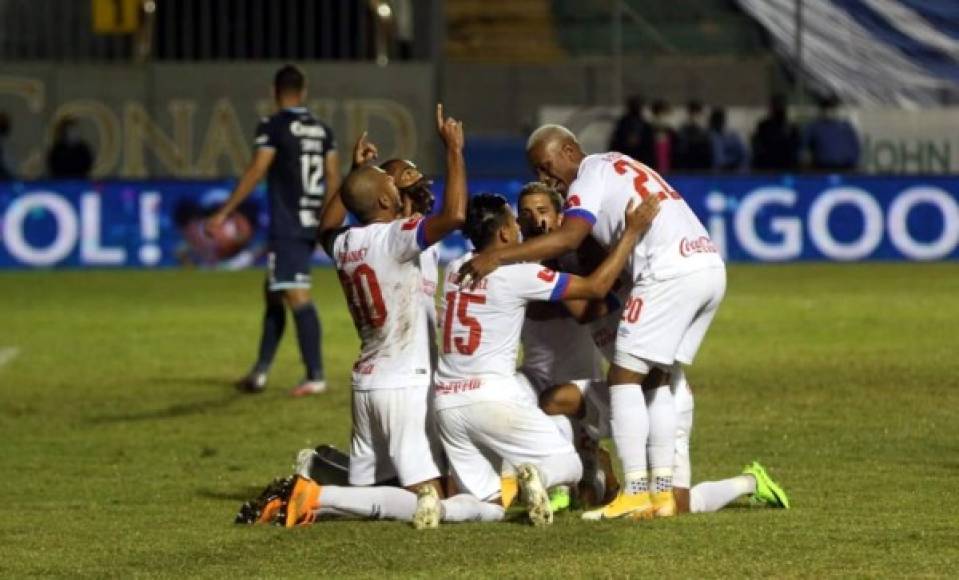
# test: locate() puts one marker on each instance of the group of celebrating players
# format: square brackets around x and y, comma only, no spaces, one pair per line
[605,261]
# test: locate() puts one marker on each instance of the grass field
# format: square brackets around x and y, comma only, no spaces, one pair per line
[124,451]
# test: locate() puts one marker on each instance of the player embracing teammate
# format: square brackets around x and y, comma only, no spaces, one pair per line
[678,282]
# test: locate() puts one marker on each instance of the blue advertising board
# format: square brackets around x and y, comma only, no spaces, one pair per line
[750,218]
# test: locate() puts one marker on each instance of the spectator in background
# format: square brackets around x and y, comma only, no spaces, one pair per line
[664,137]
[776,140]
[729,151]
[6,165]
[830,140]
[694,149]
[633,136]
[69,156]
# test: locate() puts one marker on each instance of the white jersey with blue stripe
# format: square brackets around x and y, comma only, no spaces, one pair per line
[481,330]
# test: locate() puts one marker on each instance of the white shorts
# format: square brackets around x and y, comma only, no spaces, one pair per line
[390,437]
[479,437]
[665,322]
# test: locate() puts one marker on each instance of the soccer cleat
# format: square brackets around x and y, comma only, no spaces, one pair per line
[304,463]
[534,494]
[559,498]
[303,499]
[767,490]
[428,508]
[664,504]
[255,382]
[307,388]
[638,506]
[265,507]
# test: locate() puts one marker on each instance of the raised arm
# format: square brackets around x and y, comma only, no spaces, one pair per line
[257,168]
[452,215]
[333,212]
[563,239]
[600,282]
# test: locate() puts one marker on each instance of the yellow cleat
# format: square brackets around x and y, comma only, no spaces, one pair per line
[638,506]
[304,499]
[509,489]
[664,504]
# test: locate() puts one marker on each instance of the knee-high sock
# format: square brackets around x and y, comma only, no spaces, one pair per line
[274,321]
[711,496]
[662,436]
[561,470]
[376,503]
[683,399]
[466,508]
[308,334]
[630,426]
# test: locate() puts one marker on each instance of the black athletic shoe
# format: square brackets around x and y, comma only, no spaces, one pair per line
[255,382]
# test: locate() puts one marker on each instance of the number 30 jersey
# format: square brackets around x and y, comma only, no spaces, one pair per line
[378,267]
[481,330]
[296,180]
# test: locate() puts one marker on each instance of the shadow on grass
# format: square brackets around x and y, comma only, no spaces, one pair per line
[171,412]
[240,495]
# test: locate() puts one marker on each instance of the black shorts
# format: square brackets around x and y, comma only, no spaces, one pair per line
[288,263]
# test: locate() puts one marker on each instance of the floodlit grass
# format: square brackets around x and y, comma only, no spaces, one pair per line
[124,451]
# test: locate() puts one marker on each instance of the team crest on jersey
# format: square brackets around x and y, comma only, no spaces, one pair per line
[572,201]
[411,223]
[546,275]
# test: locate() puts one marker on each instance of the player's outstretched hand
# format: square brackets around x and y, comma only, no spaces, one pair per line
[450,130]
[364,150]
[213,224]
[640,216]
[478,267]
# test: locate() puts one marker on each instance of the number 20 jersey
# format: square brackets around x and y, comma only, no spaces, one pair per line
[676,243]
[378,267]
[481,330]
[296,180]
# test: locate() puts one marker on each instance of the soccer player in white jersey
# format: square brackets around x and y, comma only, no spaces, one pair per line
[377,262]
[678,282]
[483,412]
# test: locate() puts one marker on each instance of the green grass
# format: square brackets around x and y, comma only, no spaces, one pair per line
[125,452]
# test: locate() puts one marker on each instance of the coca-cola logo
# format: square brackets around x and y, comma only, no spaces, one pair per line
[701,245]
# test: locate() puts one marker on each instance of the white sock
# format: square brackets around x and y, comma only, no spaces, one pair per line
[564,469]
[466,508]
[375,503]
[683,399]
[711,496]
[630,426]
[662,435]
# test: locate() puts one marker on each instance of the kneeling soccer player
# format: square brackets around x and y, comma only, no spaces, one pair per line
[483,413]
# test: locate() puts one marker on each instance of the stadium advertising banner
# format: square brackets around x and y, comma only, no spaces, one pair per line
[751,219]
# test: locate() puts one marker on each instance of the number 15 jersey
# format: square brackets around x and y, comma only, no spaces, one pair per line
[481,330]
[378,267]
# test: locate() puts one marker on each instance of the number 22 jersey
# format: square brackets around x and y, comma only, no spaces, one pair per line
[378,267]
[481,330]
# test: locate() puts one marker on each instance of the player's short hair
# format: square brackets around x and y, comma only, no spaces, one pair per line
[540,188]
[289,79]
[485,215]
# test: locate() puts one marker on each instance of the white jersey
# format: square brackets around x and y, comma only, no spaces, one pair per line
[378,266]
[676,243]
[559,350]
[430,267]
[481,330]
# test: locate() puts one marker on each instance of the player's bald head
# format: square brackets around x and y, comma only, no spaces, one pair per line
[547,136]
[554,154]
[362,190]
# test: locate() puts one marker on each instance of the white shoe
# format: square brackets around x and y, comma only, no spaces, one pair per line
[307,388]
[534,494]
[428,508]
[304,462]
